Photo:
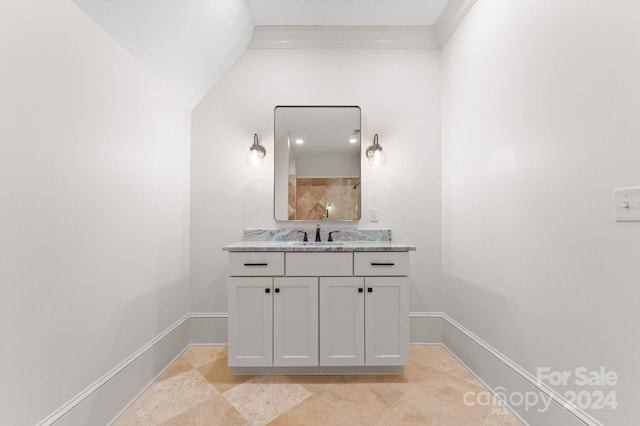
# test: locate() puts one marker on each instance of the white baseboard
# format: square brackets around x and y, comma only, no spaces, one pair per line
[101,401]
[104,400]
[144,389]
[493,369]
[425,328]
[209,328]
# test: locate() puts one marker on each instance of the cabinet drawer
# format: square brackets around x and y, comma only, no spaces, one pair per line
[256,264]
[319,264]
[381,263]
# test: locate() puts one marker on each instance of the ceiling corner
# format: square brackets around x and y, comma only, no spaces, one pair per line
[452,15]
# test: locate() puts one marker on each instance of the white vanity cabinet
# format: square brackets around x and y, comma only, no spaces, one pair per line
[318,309]
[386,320]
[250,321]
[342,321]
[295,321]
[273,320]
[364,320]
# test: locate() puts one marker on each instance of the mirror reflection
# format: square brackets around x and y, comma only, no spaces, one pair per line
[317,163]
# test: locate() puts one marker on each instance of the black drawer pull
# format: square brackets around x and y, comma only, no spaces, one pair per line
[256,264]
[360,289]
[277,290]
[267,290]
[382,264]
[370,289]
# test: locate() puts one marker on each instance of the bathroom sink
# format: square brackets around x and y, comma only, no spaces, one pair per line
[318,243]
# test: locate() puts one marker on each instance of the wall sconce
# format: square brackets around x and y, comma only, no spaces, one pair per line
[374,154]
[256,154]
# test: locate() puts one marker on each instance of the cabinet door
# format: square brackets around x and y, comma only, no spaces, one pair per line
[295,321]
[342,321]
[387,320]
[250,321]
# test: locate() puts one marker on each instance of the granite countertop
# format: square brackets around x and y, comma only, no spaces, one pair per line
[336,246]
[346,240]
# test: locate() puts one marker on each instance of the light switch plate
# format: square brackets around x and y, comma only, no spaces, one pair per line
[627,204]
[373,214]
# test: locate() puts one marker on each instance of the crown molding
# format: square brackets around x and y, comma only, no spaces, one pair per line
[343,37]
[363,37]
[453,13]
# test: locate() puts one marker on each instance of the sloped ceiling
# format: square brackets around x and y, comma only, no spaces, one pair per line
[189,44]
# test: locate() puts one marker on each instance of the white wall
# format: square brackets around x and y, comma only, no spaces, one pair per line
[94,196]
[541,107]
[398,91]
[328,165]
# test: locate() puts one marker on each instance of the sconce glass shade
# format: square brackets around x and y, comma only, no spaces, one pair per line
[256,154]
[375,155]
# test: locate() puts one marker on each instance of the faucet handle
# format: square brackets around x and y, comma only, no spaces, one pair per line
[331,236]
[305,238]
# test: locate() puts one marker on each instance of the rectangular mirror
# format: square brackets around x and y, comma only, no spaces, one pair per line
[317,163]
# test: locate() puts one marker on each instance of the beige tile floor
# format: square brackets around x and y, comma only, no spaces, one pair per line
[199,389]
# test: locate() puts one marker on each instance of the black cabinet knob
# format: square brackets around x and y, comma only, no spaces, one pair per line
[360,290]
[370,290]
[267,290]
[277,290]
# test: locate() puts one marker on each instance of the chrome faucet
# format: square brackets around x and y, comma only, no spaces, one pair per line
[318,239]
